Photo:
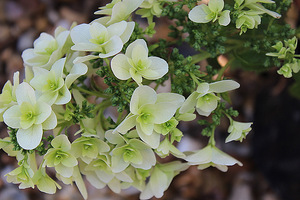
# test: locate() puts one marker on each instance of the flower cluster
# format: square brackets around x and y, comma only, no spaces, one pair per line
[60,90]
[248,18]
[286,52]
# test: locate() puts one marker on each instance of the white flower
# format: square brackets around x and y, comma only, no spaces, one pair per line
[94,37]
[50,84]
[160,179]
[211,156]
[117,11]
[47,49]
[147,109]
[8,95]
[212,12]
[238,131]
[30,117]
[204,98]
[136,63]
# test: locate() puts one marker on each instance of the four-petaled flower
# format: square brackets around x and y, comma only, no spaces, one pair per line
[211,156]
[136,64]
[211,12]
[204,98]
[30,116]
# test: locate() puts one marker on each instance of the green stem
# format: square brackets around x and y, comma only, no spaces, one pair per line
[212,137]
[199,57]
[93,93]
[194,78]
[119,118]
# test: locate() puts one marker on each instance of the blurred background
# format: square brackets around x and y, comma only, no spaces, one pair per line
[270,154]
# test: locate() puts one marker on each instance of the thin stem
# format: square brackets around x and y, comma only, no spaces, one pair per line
[194,78]
[119,118]
[93,93]
[212,137]
[199,57]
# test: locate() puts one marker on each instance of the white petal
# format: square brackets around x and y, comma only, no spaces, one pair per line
[223,86]
[202,89]
[189,103]
[95,181]
[120,67]
[81,34]
[147,128]
[48,97]
[127,32]
[64,96]
[152,140]
[163,112]
[118,164]
[43,112]
[203,113]
[198,14]
[25,93]
[86,47]
[157,69]
[30,138]
[27,55]
[97,29]
[12,116]
[200,157]
[117,28]
[112,47]
[221,158]
[139,52]
[77,70]
[158,182]
[114,138]
[50,122]
[82,59]
[58,67]
[132,46]
[147,193]
[149,159]
[141,96]
[122,176]
[103,176]
[224,19]
[128,123]
[234,135]
[216,5]
[173,98]
[132,5]
[64,171]
[40,75]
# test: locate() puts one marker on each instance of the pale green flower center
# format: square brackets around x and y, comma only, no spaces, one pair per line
[145,118]
[101,38]
[128,154]
[46,47]
[140,65]
[52,85]
[27,113]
